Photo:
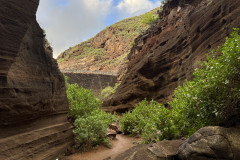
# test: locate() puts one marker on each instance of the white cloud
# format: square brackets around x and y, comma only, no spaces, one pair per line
[136,7]
[69,24]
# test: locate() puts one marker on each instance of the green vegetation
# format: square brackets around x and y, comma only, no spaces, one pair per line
[60,60]
[132,43]
[90,121]
[211,98]
[151,120]
[90,51]
[108,91]
[149,18]
[132,27]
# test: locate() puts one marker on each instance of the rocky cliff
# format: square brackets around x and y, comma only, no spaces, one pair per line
[167,53]
[33,102]
[108,50]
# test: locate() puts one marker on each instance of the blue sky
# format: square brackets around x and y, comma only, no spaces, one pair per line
[69,22]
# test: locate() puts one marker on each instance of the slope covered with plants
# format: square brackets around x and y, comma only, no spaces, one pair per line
[108,50]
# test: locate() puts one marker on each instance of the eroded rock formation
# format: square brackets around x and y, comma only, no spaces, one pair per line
[166,149]
[33,103]
[167,54]
[212,143]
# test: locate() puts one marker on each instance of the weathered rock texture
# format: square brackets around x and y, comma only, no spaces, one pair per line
[212,143]
[95,82]
[167,54]
[33,103]
[163,150]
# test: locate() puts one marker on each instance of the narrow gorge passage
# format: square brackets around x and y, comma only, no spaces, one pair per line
[119,145]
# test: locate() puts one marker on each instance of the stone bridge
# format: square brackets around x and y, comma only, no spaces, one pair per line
[95,80]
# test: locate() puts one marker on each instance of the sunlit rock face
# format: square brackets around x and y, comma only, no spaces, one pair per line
[33,102]
[167,54]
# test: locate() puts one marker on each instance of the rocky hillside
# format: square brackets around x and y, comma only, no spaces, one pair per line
[108,50]
[33,102]
[166,55]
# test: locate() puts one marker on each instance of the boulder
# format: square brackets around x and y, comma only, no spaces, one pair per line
[116,127]
[212,143]
[111,133]
[166,149]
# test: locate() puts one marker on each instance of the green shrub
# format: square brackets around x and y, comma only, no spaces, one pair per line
[213,96]
[108,91]
[151,120]
[91,130]
[149,18]
[90,121]
[81,101]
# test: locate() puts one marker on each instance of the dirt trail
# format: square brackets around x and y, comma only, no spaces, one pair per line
[119,145]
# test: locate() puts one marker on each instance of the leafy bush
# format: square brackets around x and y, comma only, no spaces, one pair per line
[90,121]
[149,18]
[108,91]
[151,120]
[81,101]
[213,96]
[91,130]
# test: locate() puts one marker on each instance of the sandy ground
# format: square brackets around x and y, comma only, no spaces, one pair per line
[119,145]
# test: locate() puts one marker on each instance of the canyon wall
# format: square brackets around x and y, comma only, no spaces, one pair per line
[168,52]
[33,102]
[95,82]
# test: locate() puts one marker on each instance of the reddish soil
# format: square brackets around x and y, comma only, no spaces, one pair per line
[119,145]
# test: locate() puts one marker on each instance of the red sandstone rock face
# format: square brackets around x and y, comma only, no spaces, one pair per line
[33,102]
[168,53]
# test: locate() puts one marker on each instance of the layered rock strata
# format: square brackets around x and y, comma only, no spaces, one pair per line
[33,102]
[167,53]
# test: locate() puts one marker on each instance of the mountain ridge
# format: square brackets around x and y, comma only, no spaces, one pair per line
[108,50]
